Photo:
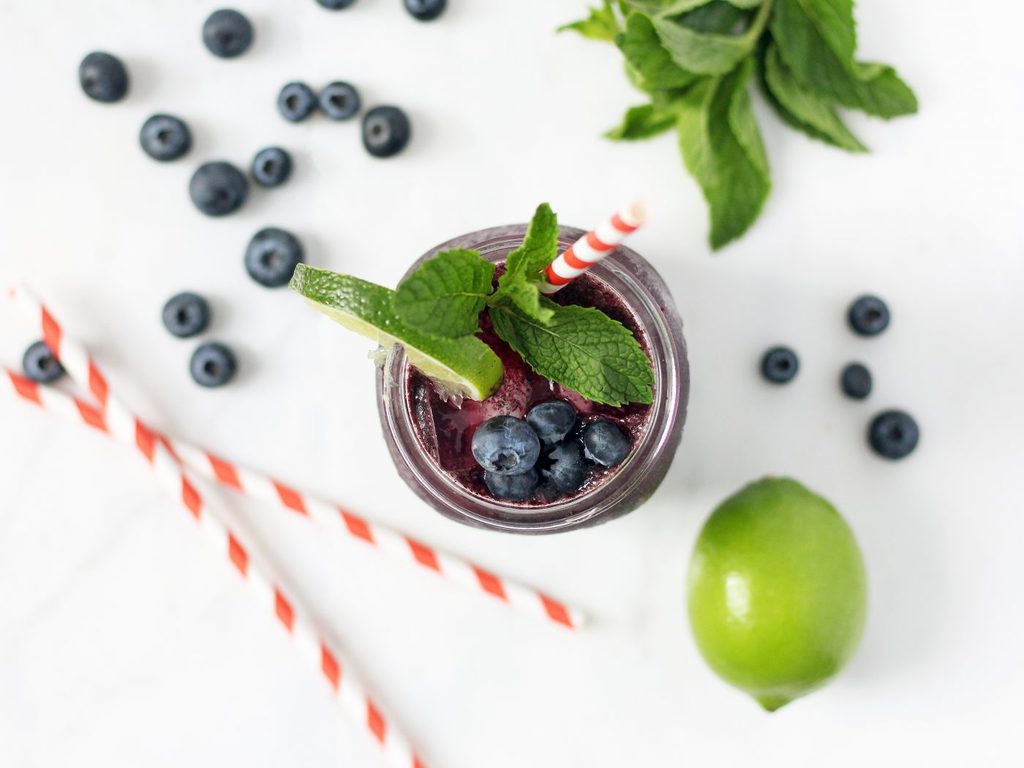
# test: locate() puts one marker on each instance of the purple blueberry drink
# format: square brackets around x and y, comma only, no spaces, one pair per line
[535,456]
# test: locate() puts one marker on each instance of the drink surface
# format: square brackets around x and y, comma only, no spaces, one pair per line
[445,430]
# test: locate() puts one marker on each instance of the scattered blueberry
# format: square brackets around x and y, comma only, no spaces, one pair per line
[605,443]
[868,316]
[271,257]
[186,315]
[894,434]
[780,365]
[386,131]
[296,102]
[103,77]
[551,420]
[567,471]
[340,101]
[227,33]
[218,188]
[213,364]
[40,364]
[512,487]
[335,5]
[425,10]
[505,445]
[271,167]
[856,381]
[165,138]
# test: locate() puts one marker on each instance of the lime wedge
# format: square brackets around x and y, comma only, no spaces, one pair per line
[465,365]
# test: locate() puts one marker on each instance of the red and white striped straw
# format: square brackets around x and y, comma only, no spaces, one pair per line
[592,248]
[256,569]
[386,540]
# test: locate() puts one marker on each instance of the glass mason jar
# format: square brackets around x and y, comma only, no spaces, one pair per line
[645,295]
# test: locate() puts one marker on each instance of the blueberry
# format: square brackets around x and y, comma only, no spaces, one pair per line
[296,102]
[186,315]
[780,365]
[894,434]
[213,364]
[386,131]
[271,167]
[551,420]
[505,445]
[165,138]
[605,443]
[218,188]
[425,10]
[567,471]
[856,381]
[335,5]
[40,364]
[271,257]
[227,33]
[512,487]
[340,101]
[868,316]
[103,77]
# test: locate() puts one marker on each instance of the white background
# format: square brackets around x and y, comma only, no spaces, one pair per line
[125,642]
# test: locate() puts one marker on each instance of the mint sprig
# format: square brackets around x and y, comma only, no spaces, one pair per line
[695,59]
[579,347]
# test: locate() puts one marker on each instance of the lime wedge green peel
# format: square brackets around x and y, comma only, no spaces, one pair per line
[464,365]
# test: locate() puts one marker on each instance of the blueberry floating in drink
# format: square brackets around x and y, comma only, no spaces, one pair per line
[552,420]
[516,393]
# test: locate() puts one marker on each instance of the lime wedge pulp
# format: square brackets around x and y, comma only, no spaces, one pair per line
[466,365]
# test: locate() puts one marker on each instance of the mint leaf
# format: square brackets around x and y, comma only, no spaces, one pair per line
[445,295]
[525,296]
[644,52]
[539,248]
[722,149]
[833,19]
[601,24]
[665,7]
[643,122]
[518,286]
[581,348]
[872,88]
[712,53]
[809,109]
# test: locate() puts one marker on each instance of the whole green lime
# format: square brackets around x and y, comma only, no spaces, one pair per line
[777,591]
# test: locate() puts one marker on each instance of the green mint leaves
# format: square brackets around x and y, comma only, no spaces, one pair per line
[445,296]
[583,349]
[695,61]
[523,267]
[580,348]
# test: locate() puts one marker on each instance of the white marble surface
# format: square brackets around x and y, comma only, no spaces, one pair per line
[124,642]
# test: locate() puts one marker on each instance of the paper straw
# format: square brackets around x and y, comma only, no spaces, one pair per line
[592,248]
[255,568]
[387,540]
[390,541]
